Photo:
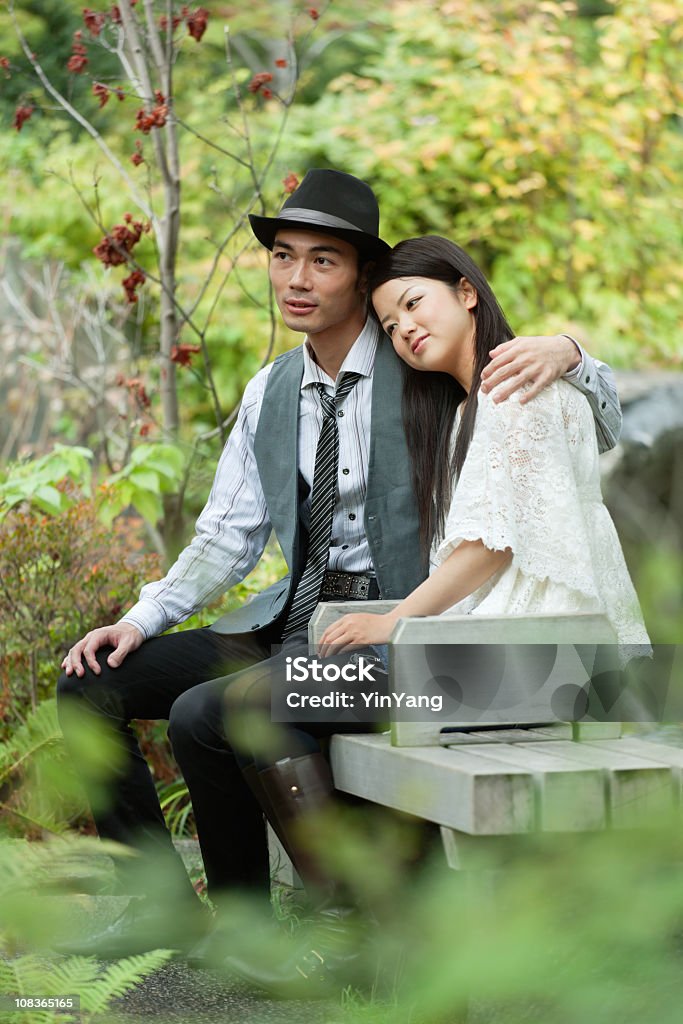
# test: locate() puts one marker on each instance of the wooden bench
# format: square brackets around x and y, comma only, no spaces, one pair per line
[509,767]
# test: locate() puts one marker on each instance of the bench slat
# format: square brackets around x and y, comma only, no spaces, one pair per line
[638,786]
[657,752]
[448,787]
[571,797]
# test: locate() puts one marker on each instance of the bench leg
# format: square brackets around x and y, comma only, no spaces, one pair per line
[466,852]
[282,871]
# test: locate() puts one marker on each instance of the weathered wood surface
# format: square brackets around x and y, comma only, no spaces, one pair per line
[553,785]
[511,673]
[534,734]
[504,629]
[528,680]
[328,612]
[638,786]
[449,787]
[569,796]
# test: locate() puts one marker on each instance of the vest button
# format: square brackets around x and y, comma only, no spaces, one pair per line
[257,626]
[588,380]
[340,413]
[352,515]
[346,472]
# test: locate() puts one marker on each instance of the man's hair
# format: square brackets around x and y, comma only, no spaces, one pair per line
[431,400]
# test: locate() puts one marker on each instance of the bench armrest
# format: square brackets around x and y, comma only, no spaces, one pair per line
[522,681]
[328,612]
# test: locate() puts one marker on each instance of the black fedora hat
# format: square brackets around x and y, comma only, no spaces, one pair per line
[333,203]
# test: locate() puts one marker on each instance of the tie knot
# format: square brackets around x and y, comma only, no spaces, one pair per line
[330,402]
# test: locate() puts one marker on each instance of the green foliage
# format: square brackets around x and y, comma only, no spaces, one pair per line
[59,576]
[36,743]
[49,25]
[174,800]
[55,482]
[547,145]
[152,471]
[81,976]
[35,481]
[545,929]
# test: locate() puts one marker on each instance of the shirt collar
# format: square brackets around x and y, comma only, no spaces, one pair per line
[359,359]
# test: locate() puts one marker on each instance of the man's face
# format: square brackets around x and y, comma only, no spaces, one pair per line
[315,280]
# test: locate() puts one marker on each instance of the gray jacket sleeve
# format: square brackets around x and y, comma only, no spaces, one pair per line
[596,380]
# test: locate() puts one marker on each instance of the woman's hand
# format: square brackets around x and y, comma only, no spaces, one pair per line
[357,630]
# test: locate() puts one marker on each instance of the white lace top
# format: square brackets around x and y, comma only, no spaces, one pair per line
[531,483]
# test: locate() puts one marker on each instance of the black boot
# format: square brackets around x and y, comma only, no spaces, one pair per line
[333,953]
[210,952]
[295,792]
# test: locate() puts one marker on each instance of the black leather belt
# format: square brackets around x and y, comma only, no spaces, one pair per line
[349,586]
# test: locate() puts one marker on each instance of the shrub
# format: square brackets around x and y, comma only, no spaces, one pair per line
[60,576]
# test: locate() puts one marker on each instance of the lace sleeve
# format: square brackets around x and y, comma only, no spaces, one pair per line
[528,473]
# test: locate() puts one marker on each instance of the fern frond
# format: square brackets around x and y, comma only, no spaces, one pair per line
[40,732]
[120,977]
[47,823]
[30,975]
[72,975]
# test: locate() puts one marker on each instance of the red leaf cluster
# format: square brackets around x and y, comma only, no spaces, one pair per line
[313,13]
[132,283]
[155,118]
[163,22]
[196,22]
[78,61]
[137,390]
[21,115]
[116,247]
[94,21]
[291,182]
[182,354]
[5,65]
[259,80]
[102,92]
[137,158]
[281,62]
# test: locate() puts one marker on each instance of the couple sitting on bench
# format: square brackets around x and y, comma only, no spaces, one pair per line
[474,444]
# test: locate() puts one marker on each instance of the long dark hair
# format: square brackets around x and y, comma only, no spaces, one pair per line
[431,400]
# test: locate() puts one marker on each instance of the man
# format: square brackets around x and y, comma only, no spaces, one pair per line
[318,455]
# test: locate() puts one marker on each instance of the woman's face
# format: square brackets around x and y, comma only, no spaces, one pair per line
[430,323]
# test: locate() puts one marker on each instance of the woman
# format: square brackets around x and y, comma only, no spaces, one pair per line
[508,493]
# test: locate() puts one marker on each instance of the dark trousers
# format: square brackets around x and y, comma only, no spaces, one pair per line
[196,680]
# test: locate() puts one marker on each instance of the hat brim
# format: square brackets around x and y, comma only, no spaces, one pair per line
[266,228]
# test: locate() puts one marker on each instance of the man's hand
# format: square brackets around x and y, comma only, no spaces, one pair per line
[123,637]
[357,630]
[537,361]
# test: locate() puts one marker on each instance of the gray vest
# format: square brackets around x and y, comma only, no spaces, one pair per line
[391,523]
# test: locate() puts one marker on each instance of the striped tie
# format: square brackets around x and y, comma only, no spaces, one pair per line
[322,508]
